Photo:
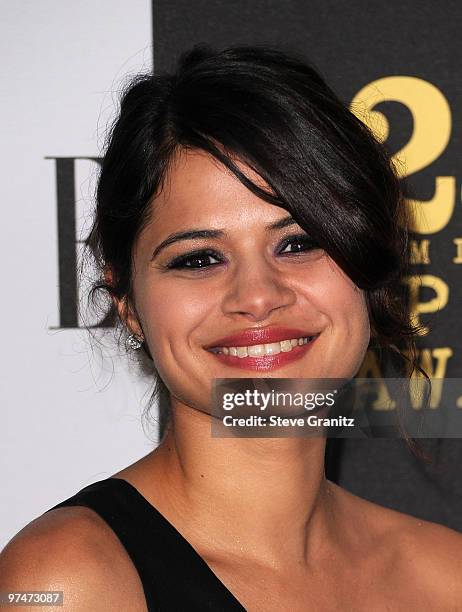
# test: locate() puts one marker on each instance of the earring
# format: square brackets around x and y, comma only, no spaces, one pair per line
[134,342]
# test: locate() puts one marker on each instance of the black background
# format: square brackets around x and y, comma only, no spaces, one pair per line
[353,44]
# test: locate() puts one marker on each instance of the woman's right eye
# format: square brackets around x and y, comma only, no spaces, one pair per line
[195,261]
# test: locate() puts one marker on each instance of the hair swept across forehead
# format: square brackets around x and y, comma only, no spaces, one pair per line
[272,111]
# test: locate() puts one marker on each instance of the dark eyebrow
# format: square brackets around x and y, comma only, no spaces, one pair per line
[212,233]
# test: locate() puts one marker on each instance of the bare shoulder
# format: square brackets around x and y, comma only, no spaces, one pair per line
[417,555]
[73,550]
[434,552]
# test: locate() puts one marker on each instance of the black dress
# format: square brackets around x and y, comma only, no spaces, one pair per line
[174,576]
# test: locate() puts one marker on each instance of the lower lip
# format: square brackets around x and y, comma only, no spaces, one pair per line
[266,362]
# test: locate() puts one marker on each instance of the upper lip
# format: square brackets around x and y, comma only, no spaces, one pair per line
[262,335]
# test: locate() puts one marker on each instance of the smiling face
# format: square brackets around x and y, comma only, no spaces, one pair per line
[251,279]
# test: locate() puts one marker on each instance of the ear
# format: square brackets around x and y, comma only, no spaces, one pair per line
[127,314]
[125,309]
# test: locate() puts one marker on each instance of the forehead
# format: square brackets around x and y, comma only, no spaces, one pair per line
[198,188]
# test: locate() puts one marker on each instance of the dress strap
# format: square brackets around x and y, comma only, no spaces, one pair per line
[173,574]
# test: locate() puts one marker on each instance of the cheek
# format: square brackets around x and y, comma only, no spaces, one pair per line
[358,316]
[343,309]
[353,319]
[349,307]
[170,313]
[347,300]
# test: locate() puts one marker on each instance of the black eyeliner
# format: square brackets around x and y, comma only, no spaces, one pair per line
[177,262]
[303,238]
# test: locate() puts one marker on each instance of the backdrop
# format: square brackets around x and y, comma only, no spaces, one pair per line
[398,66]
[71,407]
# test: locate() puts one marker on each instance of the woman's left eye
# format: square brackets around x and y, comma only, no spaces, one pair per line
[298,244]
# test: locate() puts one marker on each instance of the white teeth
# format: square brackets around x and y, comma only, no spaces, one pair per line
[272,349]
[260,350]
[256,351]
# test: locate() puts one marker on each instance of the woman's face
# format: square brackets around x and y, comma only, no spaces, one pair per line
[250,296]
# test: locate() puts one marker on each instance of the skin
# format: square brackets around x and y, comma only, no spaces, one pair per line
[181,311]
[278,534]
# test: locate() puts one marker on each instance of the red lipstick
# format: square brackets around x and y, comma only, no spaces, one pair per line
[262,335]
[266,335]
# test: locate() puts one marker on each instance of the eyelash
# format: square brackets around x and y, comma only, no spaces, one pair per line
[180,263]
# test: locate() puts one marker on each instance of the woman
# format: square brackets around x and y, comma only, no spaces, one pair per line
[241,206]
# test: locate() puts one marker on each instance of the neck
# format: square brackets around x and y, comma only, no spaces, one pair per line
[267,497]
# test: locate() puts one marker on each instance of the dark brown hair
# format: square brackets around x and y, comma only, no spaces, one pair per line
[274,112]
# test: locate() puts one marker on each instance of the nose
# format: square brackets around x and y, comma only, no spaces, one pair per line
[256,290]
